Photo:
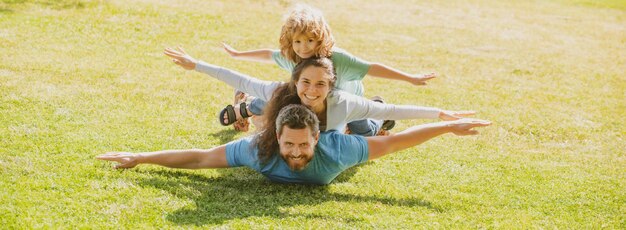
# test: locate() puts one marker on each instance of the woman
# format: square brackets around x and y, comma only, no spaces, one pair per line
[311,85]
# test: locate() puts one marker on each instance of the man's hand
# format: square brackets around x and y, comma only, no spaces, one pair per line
[230,50]
[420,79]
[181,58]
[447,115]
[465,126]
[125,159]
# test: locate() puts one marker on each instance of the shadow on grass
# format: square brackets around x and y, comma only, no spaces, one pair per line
[5,11]
[241,193]
[53,4]
[225,135]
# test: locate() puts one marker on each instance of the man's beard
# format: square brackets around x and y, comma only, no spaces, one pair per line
[299,166]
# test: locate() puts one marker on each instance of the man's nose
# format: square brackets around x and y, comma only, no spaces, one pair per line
[296,152]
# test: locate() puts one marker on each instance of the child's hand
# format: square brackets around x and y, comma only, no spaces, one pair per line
[181,58]
[447,115]
[420,79]
[232,52]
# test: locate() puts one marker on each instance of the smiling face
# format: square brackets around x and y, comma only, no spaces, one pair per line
[305,45]
[305,25]
[313,87]
[297,146]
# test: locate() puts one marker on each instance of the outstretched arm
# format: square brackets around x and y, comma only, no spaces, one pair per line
[261,55]
[360,108]
[186,159]
[245,83]
[383,145]
[383,71]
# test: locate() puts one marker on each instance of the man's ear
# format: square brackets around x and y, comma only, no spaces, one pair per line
[317,136]
[277,136]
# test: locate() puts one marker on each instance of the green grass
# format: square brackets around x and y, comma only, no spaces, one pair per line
[80,78]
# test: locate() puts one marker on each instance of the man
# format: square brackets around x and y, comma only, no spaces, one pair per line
[305,155]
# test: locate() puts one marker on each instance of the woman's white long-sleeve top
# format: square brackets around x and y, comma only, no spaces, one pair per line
[341,107]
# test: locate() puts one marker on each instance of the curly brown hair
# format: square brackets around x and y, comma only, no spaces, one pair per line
[305,19]
[284,95]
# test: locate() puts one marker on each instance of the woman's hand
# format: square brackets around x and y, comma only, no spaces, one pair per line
[181,58]
[447,115]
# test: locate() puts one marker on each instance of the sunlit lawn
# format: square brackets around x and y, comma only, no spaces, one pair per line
[80,78]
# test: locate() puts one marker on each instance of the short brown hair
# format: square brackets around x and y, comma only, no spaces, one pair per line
[296,116]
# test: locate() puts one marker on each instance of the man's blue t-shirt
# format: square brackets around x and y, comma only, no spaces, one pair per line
[334,153]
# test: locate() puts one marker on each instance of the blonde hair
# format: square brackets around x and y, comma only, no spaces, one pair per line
[305,19]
